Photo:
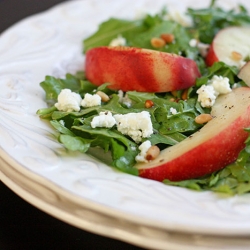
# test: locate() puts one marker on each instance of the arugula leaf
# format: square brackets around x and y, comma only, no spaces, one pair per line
[109,133]
[220,69]
[110,29]
[182,122]
[169,139]
[122,149]
[180,46]
[53,86]
[179,123]
[124,159]
[61,128]
[208,21]
[74,143]
[46,113]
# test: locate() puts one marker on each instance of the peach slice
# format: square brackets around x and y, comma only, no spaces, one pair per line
[244,73]
[231,46]
[212,148]
[128,69]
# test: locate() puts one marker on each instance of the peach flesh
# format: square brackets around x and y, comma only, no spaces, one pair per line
[244,73]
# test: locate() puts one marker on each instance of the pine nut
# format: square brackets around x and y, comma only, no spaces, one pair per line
[104,96]
[203,118]
[152,153]
[157,42]
[184,95]
[236,56]
[167,37]
[149,104]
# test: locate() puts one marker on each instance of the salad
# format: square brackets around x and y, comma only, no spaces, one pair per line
[134,126]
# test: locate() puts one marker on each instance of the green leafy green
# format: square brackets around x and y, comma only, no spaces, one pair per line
[111,29]
[53,86]
[208,21]
[74,143]
[220,69]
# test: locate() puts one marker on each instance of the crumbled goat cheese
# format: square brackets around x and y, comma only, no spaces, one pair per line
[119,41]
[144,147]
[124,99]
[220,84]
[62,122]
[202,47]
[193,43]
[91,100]
[207,94]
[135,125]
[68,101]
[120,95]
[104,119]
[173,111]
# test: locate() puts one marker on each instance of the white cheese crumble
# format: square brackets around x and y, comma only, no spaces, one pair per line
[91,100]
[144,147]
[193,43]
[173,111]
[119,41]
[124,99]
[207,94]
[202,47]
[68,101]
[135,125]
[220,84]
[104,119]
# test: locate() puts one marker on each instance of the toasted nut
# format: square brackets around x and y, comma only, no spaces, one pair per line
[149,104]
[104,96]
[157,42]
[203,118]
[236,56]
[152,153]
[184,95]
[167,37]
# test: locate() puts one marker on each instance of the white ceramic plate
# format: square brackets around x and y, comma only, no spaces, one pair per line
[77,188]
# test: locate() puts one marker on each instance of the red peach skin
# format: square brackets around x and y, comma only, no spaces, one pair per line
[211,57]
[128,69]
